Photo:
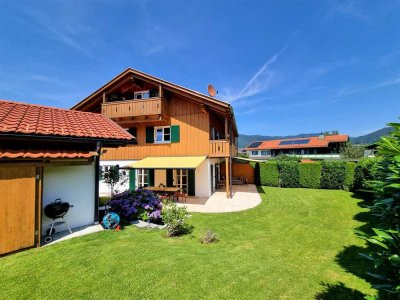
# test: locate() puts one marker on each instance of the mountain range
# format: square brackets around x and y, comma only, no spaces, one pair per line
[369,138]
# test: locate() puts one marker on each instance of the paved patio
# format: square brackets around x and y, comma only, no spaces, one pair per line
[76,232]
[244,197]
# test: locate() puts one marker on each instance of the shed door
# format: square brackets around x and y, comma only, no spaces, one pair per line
[17,208]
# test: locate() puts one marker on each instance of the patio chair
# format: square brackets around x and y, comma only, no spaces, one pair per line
[181,194]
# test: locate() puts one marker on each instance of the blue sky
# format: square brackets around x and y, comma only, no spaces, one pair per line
[287,67]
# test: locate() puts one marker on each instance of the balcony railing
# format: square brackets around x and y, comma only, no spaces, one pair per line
[133,108]
[219,148]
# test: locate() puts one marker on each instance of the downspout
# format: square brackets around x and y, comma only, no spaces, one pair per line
[96,183]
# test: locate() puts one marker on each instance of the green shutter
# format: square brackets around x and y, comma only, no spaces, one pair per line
[170,178]
[150,178]
[132,179]
[192,183]
[150,135]
[175,134]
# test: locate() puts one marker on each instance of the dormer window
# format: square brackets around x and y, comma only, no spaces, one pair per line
[142,95]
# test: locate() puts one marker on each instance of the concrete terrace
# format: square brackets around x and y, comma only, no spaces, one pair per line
[244,197]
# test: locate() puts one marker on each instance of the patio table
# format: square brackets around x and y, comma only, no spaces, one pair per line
[162,189]
[170,191]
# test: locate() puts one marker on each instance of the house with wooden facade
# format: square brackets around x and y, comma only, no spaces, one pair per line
[314,147]
[48,153]
[183,137]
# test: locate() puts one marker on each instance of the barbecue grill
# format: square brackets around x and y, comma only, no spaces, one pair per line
[56,210]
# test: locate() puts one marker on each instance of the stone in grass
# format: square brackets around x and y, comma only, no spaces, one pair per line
[142,224]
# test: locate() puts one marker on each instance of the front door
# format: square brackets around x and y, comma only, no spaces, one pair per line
[181,179]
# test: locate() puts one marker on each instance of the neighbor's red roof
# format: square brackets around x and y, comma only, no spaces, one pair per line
[11,153]
[315,142]
[24,118]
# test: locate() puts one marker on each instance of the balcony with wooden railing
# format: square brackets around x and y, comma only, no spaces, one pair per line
[221,148]
[134,108]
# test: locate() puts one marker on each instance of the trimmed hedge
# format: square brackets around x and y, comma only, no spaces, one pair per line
[333,174]
[289,174]
[310,175]
[269,174]
[348,183]
[366,169]
[318,175]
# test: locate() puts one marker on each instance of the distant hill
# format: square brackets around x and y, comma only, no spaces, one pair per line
[369,138]
[372,137]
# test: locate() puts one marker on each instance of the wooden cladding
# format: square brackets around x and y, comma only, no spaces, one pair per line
[134,108]
[193,138]
[219,148]
[18,206]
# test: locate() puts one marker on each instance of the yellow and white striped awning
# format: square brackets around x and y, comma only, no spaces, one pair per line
[174,162]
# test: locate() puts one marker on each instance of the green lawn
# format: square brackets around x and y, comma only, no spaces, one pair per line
[298,244]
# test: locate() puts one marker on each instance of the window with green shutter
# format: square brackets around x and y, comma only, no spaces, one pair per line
[175,134]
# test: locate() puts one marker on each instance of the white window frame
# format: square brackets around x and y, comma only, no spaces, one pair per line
[163,141]
[252,152]
[142,178]
[141,93]
[179,175]
[267,152]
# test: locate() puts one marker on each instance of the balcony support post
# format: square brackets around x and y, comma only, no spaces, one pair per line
[227,178]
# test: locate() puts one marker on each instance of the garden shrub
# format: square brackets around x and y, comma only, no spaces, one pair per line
[174,218]
[310,175]
[348,183]
[209,237]
[365,171]
[269,175]
[140,204]
[333,174]
[289,174]
[286,157]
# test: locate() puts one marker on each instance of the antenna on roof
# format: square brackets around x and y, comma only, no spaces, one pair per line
[212,91]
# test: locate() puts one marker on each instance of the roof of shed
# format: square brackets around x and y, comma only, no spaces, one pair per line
[21,118]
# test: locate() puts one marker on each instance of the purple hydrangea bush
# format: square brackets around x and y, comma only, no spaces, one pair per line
[137,205]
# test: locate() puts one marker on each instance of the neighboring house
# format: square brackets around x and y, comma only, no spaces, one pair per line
[48,153]
[371,150]
[315,147]
[182,136]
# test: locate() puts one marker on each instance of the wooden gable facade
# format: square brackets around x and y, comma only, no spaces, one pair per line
[143,105]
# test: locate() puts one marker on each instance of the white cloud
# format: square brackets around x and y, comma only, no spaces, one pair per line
[351,8]
[258,83]
[66,28]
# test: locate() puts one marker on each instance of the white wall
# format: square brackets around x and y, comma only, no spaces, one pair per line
[73,184]
[104,189]
[203,180]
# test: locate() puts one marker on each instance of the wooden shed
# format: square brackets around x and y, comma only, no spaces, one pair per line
[48,153]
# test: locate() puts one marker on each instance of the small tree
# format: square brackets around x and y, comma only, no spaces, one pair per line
[351,150]
[111,177]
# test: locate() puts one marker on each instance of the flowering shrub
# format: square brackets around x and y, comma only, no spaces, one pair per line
[174,217]
[140,204]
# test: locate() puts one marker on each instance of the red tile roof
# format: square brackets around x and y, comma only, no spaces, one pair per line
[24,118]
[315,142]
[11,153]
